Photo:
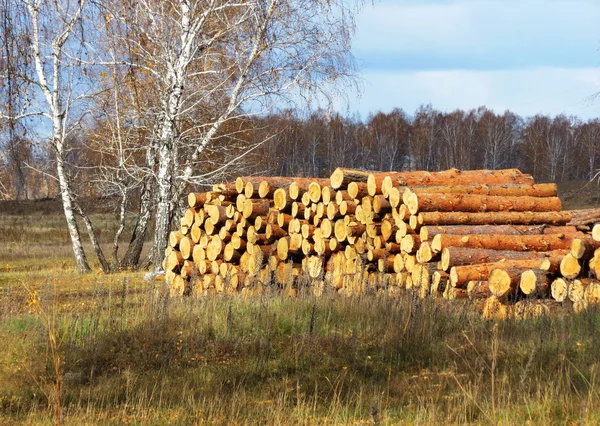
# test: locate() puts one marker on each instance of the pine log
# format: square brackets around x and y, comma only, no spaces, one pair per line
[493,218]
[198,199]
[428,232]
[186,246]
[505,190]
[478,290]
[528,309]
[596,232]
[341,177]
[592,293]
[503,242]
[254,208]
[461,177]
[494,309]
[535,282]
[570,266]
[505,281]
[457,256]
[585,216]
[357,190]
[584,247]
[214,248]
[425,202]
[439,279]
[577,288]
[281,201]
[559,289]
[461,275]
[174,261]
[174,238]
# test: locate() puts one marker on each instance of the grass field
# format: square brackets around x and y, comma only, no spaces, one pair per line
[114,349]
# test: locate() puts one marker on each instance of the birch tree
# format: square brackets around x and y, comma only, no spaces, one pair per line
[212,61]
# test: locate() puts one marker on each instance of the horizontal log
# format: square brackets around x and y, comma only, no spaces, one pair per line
[430,231]
[503,242]
[458,177]
[457,256]
[426,202]
[461,275]
[531,190]
[493,218]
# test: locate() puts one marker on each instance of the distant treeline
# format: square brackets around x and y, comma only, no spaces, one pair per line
[556,148]
[291,143]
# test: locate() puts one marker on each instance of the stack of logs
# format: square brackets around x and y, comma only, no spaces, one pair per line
[491,236]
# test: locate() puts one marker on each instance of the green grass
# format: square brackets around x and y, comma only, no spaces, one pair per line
[131,355]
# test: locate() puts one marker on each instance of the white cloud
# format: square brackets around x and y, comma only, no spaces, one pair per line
[525,92]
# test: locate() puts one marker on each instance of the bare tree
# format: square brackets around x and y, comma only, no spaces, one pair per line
[210,62]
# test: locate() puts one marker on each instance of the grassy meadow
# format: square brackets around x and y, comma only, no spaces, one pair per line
[114,349]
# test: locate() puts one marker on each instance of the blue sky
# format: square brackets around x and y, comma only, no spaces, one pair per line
[529,56]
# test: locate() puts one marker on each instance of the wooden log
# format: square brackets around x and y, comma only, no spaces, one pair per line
[430,231]
[227,190]
[461,177]
[495,309]
[357,190]
[504,282]
[535,282]
[410,243]
[584,216]
[503,242]
[174,238]
[424,253]
[493,218]
[281,201]
[425,202]
[216,214]
[214,248]
[559,289]
[570,266]
[198,254]
[439,279]
[174,261]
[529,309]
[596,232]
[461,275]
[186,246]
[584,247]
[592,293]
[198,199]
[230,254]
[576,290]
[422,273]
[254,208]
[341,177]
[457,256]
[477,290]
[504,190]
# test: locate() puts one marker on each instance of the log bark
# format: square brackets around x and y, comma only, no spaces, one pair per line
[535,282]
[503,242]
[458,177]
[505,282]
[494,218]
[425,202]
[341,177]
[504,190]
[559,289]
[570,266]
[430,231]
[457,256]
[461,275]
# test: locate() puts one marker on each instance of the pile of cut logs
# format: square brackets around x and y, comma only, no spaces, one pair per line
[495,237]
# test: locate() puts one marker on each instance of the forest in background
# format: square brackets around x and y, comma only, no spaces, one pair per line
[291,143]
